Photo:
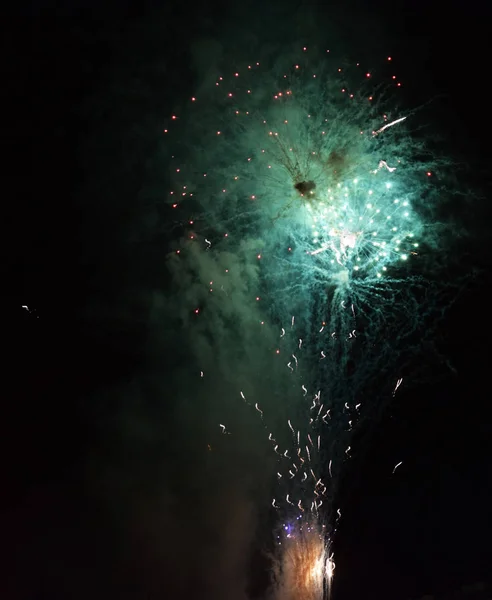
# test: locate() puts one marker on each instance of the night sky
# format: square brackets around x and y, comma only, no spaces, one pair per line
[109,489]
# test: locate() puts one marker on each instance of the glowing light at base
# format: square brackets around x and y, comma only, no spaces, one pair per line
[303,568]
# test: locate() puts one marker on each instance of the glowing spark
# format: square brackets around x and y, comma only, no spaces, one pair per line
[292,475]
[329,469]
[299,506]
[271,438]
[273,504]
[310,440]
[291,428]
[279,475]
[388,125]
[347,450]
[242,396]
[339,513]
[314,404]
[286,454]
[383,163]
[304,476]
[396,466]
[282,333]
[357,406]
[259,409]
[319,441]
[298,439]
[323,355]
[303,387]
[295,359]
[308,453]
[398,383]
[223,427]
[300,343]
[293,318]
[347,406]
[321,330]
[289,364]
[288,499]
[209,243]
[201,373]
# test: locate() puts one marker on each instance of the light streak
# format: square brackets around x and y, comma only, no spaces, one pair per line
[397,465]
[259,409]
[375,133]
[303,387]
[398,383]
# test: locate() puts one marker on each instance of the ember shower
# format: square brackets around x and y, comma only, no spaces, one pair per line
[305,170]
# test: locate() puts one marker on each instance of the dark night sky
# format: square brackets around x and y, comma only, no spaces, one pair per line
[89,509]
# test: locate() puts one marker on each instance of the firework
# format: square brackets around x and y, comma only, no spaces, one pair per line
[313,188]
[303,569]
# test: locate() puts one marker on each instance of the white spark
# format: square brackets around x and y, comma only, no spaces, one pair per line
[282,333]
[259,409]
[323,355]
[375,133]
[396,466]
[398,383]
[329,469]
[209,243]
[303,387]
[300,343]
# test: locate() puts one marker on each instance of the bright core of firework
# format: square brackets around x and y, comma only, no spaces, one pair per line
[363,226]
